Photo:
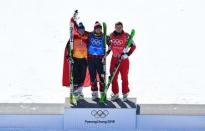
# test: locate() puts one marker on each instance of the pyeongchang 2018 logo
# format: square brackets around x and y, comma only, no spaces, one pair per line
[100,117]
[99,113]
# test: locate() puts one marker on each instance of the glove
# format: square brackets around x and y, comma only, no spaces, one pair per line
[75,16]
[103,59]
[124,56]
[71,61]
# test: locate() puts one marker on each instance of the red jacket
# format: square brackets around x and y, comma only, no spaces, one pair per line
[118,43]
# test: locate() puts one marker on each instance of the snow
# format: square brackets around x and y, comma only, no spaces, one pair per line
[167,67]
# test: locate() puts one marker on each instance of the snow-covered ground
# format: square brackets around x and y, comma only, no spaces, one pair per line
[167,67]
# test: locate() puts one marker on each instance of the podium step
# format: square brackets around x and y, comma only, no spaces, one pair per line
[89,103]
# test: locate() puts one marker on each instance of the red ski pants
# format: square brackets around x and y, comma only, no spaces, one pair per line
[123,70]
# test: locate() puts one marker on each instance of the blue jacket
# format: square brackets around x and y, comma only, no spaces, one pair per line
[96,45]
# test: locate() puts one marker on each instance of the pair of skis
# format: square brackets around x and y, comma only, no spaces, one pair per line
[72,97]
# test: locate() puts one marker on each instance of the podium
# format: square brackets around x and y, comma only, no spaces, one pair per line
[87,114]
[90,114]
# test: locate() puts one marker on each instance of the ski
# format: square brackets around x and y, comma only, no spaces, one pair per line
[104,61]
[112,75]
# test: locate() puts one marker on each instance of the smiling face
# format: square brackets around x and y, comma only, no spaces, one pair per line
[98,30]
[118,28]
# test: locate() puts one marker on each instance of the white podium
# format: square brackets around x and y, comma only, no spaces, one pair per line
[90,114]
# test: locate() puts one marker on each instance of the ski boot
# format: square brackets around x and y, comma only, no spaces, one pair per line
[80,93]
[125,97]
[114,97]
[94,95]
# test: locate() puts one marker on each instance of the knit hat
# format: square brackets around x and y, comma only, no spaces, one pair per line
[81,26]
[97,25]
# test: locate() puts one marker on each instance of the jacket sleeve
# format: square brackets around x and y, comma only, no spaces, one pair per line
[109,46]
[75,29]
[68,49]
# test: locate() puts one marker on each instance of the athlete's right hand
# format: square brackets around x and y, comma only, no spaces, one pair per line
[71,61]
[75,15]
[124,56]
[103,59]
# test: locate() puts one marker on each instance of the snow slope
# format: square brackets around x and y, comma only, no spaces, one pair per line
[167,67]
